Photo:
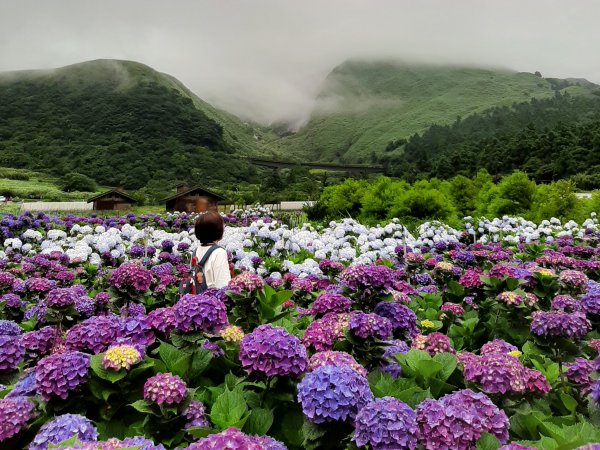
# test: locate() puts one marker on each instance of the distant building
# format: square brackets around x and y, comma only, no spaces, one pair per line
[113,200]
[193,199]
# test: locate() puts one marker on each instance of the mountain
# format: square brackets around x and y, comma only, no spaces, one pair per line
[119,122]
[366,107]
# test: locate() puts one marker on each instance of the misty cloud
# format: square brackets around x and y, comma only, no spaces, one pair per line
[266,60]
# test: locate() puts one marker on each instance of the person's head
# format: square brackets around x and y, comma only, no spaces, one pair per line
[209,227]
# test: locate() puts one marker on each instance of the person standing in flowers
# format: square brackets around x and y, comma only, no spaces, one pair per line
[209,231]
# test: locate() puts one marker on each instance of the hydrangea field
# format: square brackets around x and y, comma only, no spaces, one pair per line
[335,337]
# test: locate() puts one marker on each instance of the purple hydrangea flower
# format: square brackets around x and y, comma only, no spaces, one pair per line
[457,420]
[15,412]
[496,373]
[324,332]
[433,343]
[165,388]
[454,308]
[367,326]
[333,358]
[391,366]
[94,335]
[62,428]
[12,301]
[246,282]
[12,352]
[333,393]
[272,351]
[39,285]
[59,374]
[497,346]
[136,331]
[195,414]
[560,324]
[62,297]
[162,320]
[40,342]
[25,387]
[327,302]
[231,438]
[199,313]
[564,303]
[386,423]
[329,267]
[579,372]
[9,328]
[402,318]
[590,302]
[301,285]
[368,280]
[573,279]
[131,276]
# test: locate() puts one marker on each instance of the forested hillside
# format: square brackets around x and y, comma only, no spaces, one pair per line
[549,139]
[363,106]
[116,122]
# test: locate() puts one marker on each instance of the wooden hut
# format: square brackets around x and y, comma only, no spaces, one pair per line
[193,199]
[113,200]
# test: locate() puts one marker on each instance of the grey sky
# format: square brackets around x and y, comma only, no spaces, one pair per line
[265,59]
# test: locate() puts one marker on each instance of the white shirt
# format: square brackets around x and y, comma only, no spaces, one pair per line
[216,269]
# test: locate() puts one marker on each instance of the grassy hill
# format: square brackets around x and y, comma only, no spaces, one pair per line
[118,122]
[364,106]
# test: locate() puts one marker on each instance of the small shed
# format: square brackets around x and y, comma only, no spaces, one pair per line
[193,199]
[113,200]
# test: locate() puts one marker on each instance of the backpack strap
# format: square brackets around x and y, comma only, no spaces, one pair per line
[207,255]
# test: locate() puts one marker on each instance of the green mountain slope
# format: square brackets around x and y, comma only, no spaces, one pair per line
[364,106]
[118,122]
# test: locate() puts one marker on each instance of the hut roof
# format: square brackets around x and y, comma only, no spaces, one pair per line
[112,191]
[192,190]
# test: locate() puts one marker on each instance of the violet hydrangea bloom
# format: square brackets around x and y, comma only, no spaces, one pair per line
[62,428]
[564,303]
[573,279]
[12,352]
[560,324]
[10,328]
[386,423]
[333,393]
[454,308]
[199,313]
[94,335]
[272,351]
[324,332]
[25,387]
[231,438]
[59,374]
[580,373]
[162,320]
[369,279]
[402,318]
[15,412]
[433,343]
[390,364]
[165,388]
[329,302]
[496,373]
[131,276]
[457,420]
[333,358]
[195,414]
[62,297]
[497,346]
[40,342]
[367,326]
[246,282]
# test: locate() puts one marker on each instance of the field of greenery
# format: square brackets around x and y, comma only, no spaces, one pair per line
[453,199]
[341,336]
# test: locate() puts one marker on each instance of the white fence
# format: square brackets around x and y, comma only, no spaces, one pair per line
[56,206]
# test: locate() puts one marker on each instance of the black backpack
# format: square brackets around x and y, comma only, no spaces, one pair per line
[196,284]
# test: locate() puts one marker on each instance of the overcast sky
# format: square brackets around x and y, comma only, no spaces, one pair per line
[265,59]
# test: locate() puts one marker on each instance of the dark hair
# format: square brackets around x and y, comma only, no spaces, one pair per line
[209,227]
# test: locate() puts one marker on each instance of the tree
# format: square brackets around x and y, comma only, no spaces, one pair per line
[77,182]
